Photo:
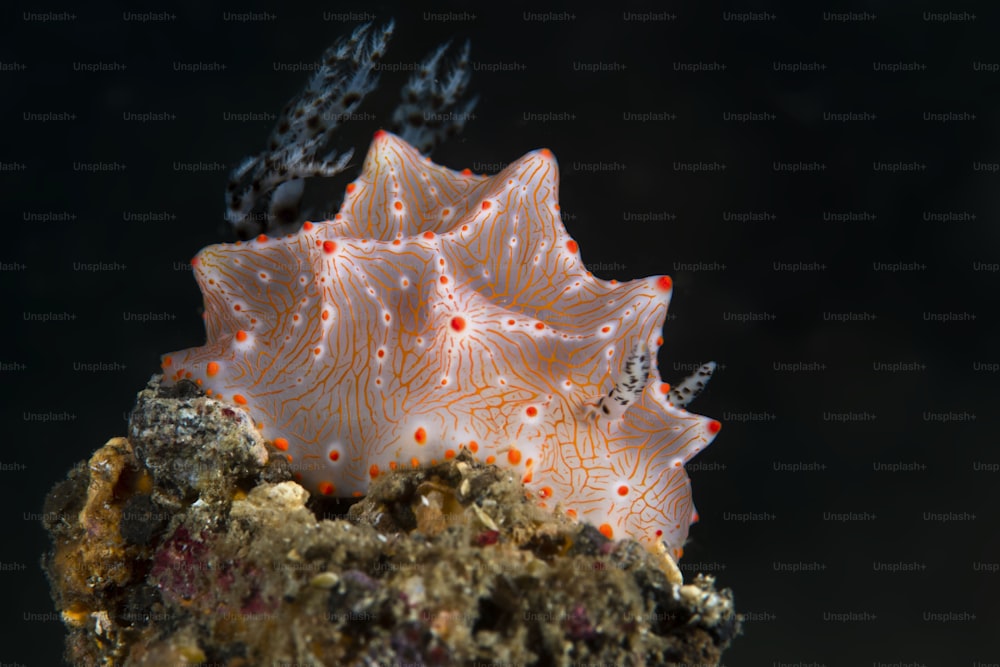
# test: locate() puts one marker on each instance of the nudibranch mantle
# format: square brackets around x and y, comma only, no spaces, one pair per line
[442,310]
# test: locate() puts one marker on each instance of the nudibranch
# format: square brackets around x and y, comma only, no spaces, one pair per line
[442,310]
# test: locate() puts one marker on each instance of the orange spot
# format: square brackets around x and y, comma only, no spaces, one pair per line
[262,238]
[659,340]
[420,435]
[605,329]
[514,456]
[334,455]
[373,471]
[208,392]
[539,326]
[622,490]
[448,211]
[414,462]
[664,388]
[545,152]
[465,228]
[606,530]
[393,465]
[510,322]
[326,488]
[398,206]
[194,261]
[545,492]
[379,134]
[167,362]
[527,478]
[237,307]
[387,317]
[665,283]
[239,400]
[396,242]
[473,446]
[458,323]
[714,426]
[308,225]
[531,411]
[428,235]
[486,205]
[491,459]
[241,335]
[466,172]
[572,246]
[317,351]
[325,315]
[329,247]
[350,188]
[357,494]
[449,454]
[444,280]
[295,317]
[198,382]
[659,533]
[280,444]
[380,353]
[571,513]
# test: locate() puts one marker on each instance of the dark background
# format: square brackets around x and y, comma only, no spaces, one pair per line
[797,385]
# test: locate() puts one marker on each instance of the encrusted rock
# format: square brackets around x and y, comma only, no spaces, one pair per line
[191,545]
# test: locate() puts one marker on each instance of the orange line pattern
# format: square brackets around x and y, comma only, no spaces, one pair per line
[442,310]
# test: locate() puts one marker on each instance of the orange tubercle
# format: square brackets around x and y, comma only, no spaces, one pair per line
[606,530]
[280,444]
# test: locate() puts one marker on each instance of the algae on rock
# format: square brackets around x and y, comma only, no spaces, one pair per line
[190,542]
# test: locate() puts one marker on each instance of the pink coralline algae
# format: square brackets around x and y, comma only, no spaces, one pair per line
[442,310]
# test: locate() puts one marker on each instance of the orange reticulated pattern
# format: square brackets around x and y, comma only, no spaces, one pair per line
[443,310]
